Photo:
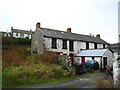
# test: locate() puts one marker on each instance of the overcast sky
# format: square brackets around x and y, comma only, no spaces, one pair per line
[83,16]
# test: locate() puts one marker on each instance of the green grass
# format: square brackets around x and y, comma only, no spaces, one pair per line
[35,74]
[48,82]
[72,86]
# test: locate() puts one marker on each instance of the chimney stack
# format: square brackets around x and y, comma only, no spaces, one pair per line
[12,28]
[69,30]
[38,24]
[98,35]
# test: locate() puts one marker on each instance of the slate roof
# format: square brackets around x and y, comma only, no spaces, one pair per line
[94,53]
[71,36]
[115,47]
[64,35]
[21,31]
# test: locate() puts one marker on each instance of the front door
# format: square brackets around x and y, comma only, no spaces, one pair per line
[104,62]
[71,58]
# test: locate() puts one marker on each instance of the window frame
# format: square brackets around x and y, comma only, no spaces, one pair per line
[64,44]
[54,43]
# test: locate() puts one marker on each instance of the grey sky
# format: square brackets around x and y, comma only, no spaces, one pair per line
[83,16]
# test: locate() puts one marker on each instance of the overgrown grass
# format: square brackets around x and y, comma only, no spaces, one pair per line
[22,68]
[38,73]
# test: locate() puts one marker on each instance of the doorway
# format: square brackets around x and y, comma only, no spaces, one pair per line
[71,58]
[104,62]
[83,60]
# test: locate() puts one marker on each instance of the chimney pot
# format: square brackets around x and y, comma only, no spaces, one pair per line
[69,30]
[98,35]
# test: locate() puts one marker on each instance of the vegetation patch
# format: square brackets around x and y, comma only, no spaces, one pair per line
[105,83]
[20,68]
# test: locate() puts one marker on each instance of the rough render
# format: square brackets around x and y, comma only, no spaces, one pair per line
[37,41]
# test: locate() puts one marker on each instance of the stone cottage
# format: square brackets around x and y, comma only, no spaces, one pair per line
[64,42]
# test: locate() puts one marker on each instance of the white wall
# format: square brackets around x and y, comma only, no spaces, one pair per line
[109,56]
[82,45]
[25,35]
[14,34]
[106,46]
[77,46]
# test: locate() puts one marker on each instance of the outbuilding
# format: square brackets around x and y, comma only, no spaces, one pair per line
[102,56]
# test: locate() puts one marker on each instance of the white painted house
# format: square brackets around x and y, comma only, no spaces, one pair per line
[17,33]
[68,43]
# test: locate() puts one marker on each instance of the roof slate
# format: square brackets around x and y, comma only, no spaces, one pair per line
[64,35]
[22,31]
[71,36]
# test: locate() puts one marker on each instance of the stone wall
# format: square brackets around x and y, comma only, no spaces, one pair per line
[37,44]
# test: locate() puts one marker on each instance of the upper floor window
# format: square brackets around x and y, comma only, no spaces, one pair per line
[119,38]
[16,34]
[64,44]
[71,46]
[54,43]
[87,45]
[103,45]
[95,45]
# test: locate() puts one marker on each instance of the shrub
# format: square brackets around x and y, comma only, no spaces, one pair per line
[59,72]
[104,83]
[15,41]
[14,56]
[48,57]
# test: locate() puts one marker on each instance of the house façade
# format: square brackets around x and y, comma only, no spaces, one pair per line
[64,42]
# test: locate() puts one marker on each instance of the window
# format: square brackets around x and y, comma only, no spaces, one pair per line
[119,38]
[71,45]
[64,44]
[95,45]
[21,35]
[54,43]
[103,45]
[87,45]
[16,34]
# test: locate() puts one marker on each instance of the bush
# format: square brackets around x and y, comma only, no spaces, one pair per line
[15,41]
[14,56]
[104,83]
[48,57]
